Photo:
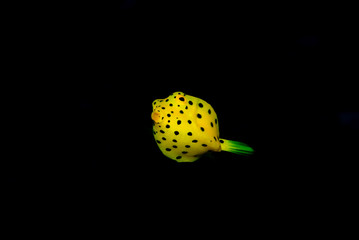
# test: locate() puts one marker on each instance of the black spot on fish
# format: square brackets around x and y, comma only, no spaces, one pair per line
[167,126]
[199,115]
[221,141]
[164,139]
[202,129]
[176,132]
[161,131]
[211,124]
[181,112]
[200,105]
[209,111]
[174,146]
[163,108]
[187,146]
[204,145]
[215,121]
[167,100]
[168,149]
[189,121]
[184,152]
[178,122]
[189,134]
[159,142]
[174,140]
[178,157]
[215,139]
[171,105]
[168,115]
[194,141]
[190,102]
[181,99]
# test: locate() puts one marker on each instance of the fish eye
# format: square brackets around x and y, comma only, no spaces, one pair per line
[181,99]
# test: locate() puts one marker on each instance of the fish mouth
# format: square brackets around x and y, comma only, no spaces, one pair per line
[156,116]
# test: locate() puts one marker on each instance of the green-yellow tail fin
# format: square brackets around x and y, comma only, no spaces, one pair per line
[236,147]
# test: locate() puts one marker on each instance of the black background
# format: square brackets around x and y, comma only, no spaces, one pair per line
[280,77]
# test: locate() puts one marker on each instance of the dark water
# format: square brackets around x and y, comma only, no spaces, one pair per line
[280,81]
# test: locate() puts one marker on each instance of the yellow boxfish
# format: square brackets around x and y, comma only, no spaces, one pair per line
[186,127]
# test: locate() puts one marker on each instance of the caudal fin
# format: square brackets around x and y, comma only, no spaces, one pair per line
[236,147]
